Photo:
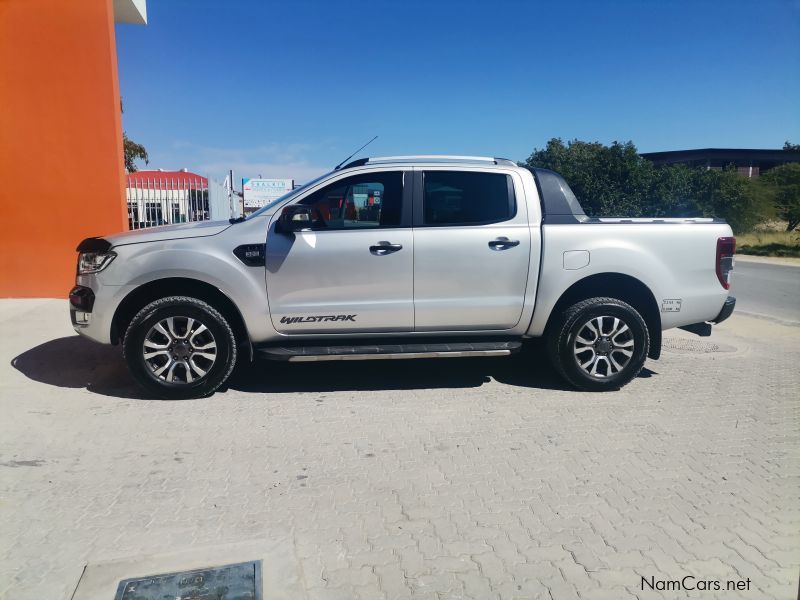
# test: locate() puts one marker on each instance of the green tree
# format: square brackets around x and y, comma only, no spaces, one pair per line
[133,151]
[608,180]
[727,194]
[672,193]
[616,181]
[781,186]
[787,145]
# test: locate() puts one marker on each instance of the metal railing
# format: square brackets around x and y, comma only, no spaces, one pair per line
[166,200]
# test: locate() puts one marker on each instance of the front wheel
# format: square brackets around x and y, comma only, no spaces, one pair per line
[599,344]
[180,347]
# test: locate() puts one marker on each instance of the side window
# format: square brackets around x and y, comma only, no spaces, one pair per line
[467,198]
[359,202]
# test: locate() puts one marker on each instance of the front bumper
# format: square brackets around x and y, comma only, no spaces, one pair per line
[92,306]
[81,303]
[81,298]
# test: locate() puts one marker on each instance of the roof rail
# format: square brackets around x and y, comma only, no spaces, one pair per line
[434,157]
[442,157]
[429,158]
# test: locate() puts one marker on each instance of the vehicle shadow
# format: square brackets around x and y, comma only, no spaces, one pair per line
[530,369]
[74,362]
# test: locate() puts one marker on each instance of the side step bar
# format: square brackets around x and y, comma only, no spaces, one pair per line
[388,351]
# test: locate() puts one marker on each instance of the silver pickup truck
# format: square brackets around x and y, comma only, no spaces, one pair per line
[403,257]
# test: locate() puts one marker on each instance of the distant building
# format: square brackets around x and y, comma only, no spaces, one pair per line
[749,162]
[160,197]
[180,179]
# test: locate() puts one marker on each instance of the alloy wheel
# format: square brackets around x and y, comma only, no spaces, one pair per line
[604,346]
[179,350]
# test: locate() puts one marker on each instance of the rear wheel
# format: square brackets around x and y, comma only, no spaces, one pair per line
[599,344]
[180,347]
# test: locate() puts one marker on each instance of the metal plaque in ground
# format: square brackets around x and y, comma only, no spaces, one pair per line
[241,581]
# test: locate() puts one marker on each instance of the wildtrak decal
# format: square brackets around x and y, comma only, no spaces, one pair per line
[319,319]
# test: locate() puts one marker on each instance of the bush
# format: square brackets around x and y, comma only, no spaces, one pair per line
[781,186]
[731,196]
[608,180]
[616,181]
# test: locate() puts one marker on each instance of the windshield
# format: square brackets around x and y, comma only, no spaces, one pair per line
[286,196]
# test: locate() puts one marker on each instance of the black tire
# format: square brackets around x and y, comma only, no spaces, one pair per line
[563,344]
[185,382]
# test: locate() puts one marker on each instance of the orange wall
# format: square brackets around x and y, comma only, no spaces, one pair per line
[61,163]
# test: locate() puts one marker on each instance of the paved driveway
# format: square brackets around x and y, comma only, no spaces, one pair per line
[469,478]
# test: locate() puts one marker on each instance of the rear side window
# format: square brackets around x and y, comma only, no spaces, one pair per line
[467,198]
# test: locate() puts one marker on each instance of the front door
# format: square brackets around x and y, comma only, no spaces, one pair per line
[472,248]
[352,269]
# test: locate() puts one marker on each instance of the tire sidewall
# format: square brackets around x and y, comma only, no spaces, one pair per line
[156,312]
[575,324]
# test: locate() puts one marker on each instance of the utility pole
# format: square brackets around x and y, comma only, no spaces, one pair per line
[234,207]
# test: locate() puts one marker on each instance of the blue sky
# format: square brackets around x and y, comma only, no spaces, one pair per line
[288,89]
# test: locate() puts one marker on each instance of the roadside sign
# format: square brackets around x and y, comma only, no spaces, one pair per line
[258,192]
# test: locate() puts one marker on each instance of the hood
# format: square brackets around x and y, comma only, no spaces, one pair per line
[168,232]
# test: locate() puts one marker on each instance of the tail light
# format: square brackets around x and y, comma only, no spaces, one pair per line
[726,248]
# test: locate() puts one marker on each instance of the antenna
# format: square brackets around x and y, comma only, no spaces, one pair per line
[336,168]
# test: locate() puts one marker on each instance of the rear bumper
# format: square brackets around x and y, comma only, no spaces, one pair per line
[704,329]
[727,310]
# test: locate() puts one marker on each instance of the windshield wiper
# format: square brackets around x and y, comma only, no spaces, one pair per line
[237,219]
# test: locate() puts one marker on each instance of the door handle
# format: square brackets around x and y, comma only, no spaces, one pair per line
[503,243]
[384,248]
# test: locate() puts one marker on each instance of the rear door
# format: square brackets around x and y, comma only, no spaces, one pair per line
[472,249]
[352,270]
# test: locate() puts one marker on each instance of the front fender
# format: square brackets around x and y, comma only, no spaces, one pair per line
[244,285]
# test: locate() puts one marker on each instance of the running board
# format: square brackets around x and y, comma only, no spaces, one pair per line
[388,351]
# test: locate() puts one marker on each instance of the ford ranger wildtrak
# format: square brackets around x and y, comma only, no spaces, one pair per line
[403,257]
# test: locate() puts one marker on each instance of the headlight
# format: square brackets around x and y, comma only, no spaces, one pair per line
[94,262]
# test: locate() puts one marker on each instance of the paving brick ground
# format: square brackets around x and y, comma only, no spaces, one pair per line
[443,479]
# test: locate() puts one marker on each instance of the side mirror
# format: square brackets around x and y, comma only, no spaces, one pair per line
[294,218]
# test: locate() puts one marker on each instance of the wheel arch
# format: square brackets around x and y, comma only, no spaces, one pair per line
[178,286]
[622,287]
